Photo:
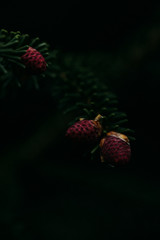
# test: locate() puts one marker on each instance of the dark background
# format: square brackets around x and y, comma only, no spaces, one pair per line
[75,202]
[123,41]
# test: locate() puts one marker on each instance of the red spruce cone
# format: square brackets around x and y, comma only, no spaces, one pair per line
[34,61]
[115,149]
[85,131]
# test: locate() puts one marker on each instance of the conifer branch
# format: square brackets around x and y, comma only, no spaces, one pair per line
[75,89]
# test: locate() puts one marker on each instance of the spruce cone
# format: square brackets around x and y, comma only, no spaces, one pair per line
[115,149]
[85,131]
[34,61]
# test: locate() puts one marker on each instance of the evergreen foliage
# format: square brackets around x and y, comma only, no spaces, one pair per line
[12,46]
[75,89]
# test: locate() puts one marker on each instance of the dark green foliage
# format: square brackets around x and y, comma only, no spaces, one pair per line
[79,93]
[12,71]
[73,87]
[83,95]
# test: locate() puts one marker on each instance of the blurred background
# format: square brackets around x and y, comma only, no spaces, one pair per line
[121,42]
